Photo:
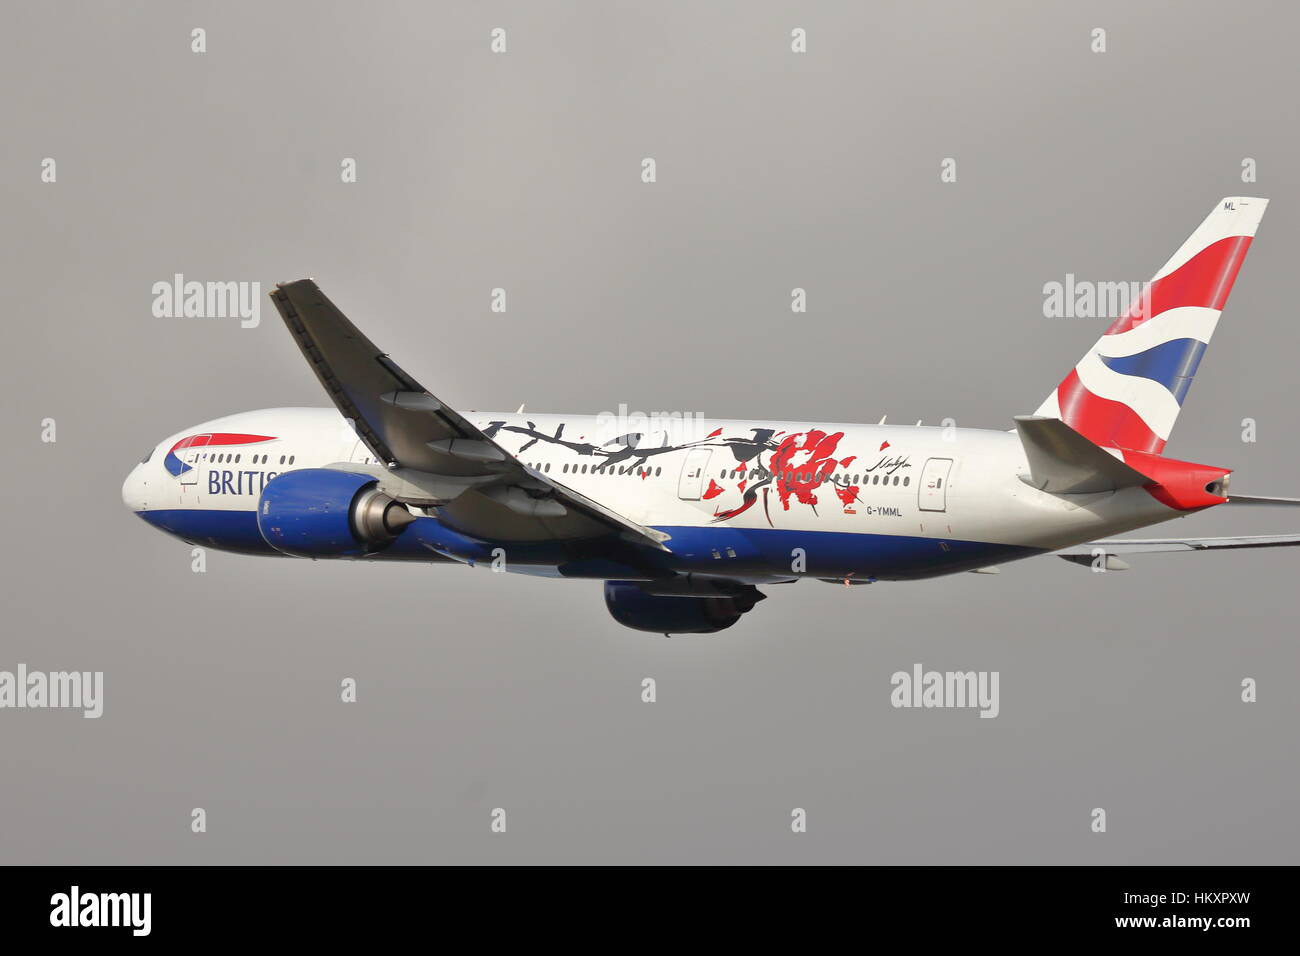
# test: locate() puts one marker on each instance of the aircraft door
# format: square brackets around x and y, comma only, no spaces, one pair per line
[191,455]
[691,484]
[933,490]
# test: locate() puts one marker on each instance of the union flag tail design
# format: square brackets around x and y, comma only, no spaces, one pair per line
[1127,390]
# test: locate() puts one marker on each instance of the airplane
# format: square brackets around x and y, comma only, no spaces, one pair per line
[683,518]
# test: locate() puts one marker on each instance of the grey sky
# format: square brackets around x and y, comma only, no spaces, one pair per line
[521,170]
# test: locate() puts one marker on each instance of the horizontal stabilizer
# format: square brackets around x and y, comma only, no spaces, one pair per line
[1262,501]
[1063,462]
[1106,550]
[1102,561]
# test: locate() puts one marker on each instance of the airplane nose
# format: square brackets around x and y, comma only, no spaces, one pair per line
[134,489]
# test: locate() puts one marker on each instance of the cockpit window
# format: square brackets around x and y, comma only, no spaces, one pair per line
[147,456]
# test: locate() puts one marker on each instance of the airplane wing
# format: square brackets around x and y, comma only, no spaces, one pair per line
[1109,549]
[431,454]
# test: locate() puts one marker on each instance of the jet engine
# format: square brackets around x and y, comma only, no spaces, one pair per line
[633,607]
[323,513]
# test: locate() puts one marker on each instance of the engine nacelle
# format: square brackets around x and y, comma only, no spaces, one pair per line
[323,513]
[633,607]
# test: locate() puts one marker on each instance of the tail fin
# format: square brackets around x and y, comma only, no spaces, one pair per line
[1127,390]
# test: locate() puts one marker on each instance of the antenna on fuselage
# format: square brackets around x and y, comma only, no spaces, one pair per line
[882,419]
[521,409]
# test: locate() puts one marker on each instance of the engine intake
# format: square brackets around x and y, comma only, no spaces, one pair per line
[320,512]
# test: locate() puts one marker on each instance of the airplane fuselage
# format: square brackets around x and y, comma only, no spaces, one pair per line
[755,501]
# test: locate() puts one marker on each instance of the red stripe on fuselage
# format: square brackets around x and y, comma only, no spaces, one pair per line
[223,438]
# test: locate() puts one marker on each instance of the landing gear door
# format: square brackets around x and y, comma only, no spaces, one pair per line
[691,484]
[191,456]
[933,491]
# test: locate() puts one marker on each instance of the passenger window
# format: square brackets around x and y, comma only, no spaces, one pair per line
[906,482]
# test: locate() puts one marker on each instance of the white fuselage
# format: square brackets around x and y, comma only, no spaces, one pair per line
[723,490]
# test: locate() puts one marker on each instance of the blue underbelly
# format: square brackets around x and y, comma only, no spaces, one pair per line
[831,553]
[711,550]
